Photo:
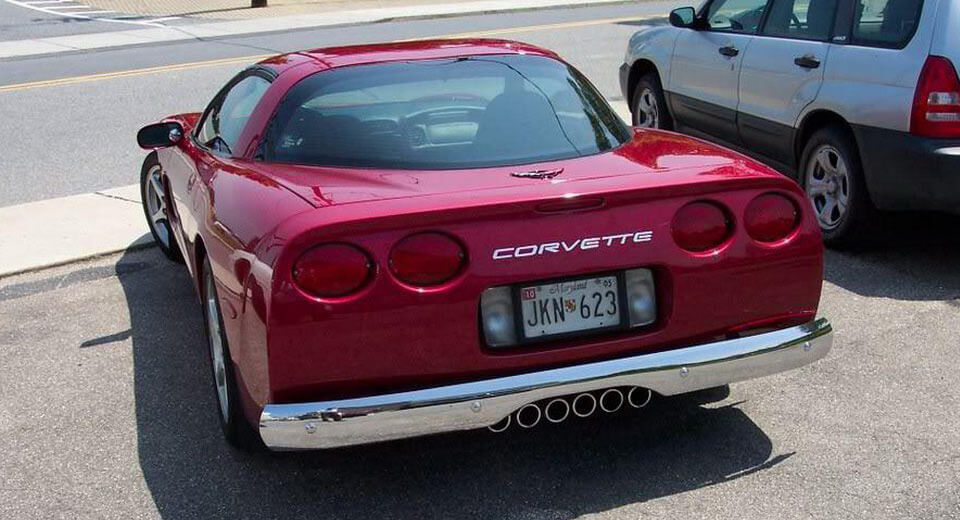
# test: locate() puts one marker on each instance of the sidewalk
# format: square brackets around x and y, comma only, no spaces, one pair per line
[312,13]
[51,232]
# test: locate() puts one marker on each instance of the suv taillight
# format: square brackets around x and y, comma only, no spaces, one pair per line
[936,104]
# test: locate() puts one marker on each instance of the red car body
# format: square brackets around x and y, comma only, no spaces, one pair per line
[253,219]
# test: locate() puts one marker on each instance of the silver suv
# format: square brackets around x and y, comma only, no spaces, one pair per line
[858,98]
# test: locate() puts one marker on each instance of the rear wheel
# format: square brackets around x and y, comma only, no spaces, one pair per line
[649,106]
[236,429]
[833,180]
[155,208]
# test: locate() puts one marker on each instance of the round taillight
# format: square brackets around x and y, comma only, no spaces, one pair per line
[332,270]
[700,226]
[427,259]
[771,217]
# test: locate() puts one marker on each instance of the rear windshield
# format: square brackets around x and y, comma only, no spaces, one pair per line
[443,114]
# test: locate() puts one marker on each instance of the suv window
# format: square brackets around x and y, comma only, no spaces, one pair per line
[226,118]
[740,16]
[886,23]
[804,19]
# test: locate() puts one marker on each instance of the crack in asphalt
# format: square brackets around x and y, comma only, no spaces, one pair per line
[107,195]
[53,283]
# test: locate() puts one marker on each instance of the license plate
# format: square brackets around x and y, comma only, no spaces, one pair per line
[571,306]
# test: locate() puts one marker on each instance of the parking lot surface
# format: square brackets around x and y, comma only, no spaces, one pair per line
[107,412]
[107,409]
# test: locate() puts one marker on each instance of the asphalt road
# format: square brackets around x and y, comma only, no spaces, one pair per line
[18,23]
[107,411]
[79,137]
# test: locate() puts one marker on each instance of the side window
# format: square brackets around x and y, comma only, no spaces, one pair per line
[804,19]
[885,23]
[739,16]
[225,120]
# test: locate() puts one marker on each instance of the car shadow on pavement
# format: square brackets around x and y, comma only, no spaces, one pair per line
[909,256]
[551,471]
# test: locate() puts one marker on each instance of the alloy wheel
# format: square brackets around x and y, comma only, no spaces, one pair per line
[647,113]
[828,186]
[217,352]
[156,201]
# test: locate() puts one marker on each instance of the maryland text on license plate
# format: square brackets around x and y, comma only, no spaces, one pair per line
[570,306]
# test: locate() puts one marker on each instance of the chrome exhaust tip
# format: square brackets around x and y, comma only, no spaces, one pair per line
[528,416]
[611,400]
[557,410]
[639,397]
[500,426]
[584,405]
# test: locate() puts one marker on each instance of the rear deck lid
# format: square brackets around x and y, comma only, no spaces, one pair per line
[652,159]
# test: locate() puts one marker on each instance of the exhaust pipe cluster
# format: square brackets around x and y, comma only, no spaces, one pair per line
[581,405]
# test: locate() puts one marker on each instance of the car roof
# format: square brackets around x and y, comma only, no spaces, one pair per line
[331,57]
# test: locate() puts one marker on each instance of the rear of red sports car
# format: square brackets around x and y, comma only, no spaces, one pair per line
[490,245]
[485,258]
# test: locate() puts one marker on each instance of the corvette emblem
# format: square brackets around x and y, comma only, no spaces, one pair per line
[580,244]
[538,174]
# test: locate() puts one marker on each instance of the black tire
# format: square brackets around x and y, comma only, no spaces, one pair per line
[238,432]
[161,229]
[848,225]
[650,83]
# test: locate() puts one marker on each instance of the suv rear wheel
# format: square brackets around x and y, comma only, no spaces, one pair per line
[648,106]
[832,177]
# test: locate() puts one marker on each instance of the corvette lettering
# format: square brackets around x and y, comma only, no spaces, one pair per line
[583,244]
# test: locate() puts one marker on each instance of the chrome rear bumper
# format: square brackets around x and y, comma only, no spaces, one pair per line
[467,406]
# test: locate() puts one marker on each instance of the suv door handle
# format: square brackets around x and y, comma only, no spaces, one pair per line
[807,62]
[729,51]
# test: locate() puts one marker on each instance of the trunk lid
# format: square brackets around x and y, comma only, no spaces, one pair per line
[652,159]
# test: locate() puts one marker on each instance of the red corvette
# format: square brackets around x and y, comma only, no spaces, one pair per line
[407,239]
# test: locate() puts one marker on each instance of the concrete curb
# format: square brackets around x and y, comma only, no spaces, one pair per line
[58,231]
[106,40]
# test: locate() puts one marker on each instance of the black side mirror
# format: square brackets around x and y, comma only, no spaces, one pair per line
[683,17]
[159,135]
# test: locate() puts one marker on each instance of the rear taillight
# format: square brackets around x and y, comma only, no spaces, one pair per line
[332,270]
[771,217]
[701,226]
[936,104]
[426,259]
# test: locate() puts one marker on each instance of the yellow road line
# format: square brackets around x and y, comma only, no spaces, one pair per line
[131,72]
[250,59]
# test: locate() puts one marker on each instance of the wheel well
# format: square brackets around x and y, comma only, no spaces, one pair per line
[639,69]
[815,121]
